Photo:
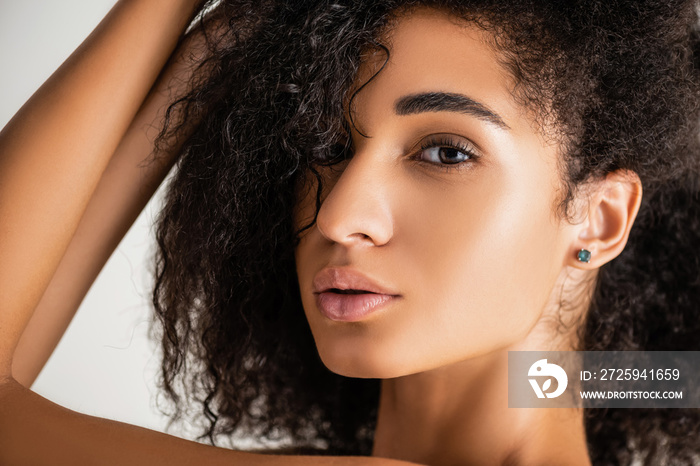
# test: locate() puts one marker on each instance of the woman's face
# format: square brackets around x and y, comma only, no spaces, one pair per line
[447,209]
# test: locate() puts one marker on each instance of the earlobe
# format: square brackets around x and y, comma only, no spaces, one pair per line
[611,211]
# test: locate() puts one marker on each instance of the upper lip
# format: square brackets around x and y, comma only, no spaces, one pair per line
[343,278]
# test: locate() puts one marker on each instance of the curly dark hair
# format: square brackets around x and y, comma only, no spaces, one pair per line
[619,80]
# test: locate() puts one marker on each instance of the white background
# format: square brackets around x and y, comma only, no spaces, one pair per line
[105,364]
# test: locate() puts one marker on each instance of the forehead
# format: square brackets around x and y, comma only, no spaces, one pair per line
[431,51]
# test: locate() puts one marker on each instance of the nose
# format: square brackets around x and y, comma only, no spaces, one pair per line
[357,210]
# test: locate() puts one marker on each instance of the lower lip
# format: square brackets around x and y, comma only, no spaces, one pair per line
[351,307]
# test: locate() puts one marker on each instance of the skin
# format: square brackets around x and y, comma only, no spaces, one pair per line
[429,407]
[478,254]
[72,180]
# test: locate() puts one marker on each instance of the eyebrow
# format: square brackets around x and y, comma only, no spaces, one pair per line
[447,102]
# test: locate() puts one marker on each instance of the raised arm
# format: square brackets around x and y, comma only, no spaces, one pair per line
[55,149]
[35,431]
[63,158]
[128,182]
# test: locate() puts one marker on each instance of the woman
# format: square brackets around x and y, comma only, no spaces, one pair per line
[374,204]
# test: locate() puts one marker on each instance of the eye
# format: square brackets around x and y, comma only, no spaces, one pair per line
[341,151]
[443,151]
[331,156]
[337,153]
[445,154]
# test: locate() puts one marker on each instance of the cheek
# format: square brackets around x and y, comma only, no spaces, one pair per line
[305,195]
[305,191]
[478,262]
[474,260]
[310,254]
[303,215]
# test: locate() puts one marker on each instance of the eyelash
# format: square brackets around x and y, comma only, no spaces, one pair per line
[443,141]
[450,143]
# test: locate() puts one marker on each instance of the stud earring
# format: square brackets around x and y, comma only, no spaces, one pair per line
[584,255]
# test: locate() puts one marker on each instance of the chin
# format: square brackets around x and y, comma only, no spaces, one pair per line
[362,364]
[358,370]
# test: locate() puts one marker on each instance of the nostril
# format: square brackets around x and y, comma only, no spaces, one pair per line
[359,235]
[352,215]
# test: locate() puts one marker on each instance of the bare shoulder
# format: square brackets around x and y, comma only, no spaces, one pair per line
[69,437]
[331,460]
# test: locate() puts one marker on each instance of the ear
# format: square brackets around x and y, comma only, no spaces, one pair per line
[612,207]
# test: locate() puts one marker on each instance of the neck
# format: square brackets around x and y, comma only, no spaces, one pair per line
[459,414]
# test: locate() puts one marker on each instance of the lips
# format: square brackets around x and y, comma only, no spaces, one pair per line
[347,280]
[346,295]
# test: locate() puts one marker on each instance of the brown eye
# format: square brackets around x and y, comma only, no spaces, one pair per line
[445,154]
[341,152]
[332,155]
[338,153]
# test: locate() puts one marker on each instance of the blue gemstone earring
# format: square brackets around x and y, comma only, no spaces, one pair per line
[584,255]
